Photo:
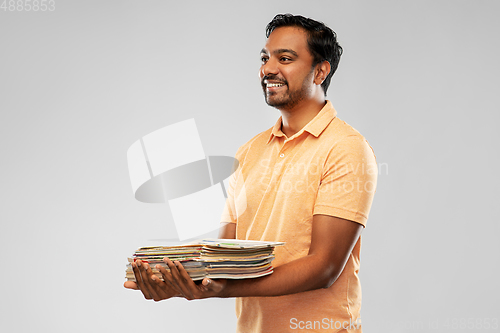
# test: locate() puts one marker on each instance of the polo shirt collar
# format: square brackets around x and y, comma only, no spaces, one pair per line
[315,127]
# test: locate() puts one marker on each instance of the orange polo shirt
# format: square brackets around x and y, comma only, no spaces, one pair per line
[326,168]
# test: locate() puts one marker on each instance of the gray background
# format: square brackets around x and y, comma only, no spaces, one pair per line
[419,79]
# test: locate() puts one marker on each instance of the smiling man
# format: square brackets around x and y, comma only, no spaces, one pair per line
[308,181]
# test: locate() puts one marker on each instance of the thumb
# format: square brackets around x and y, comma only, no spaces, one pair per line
[214,285]
[206,282]
[131,285]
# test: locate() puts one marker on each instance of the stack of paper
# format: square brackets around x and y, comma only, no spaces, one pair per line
[213,258]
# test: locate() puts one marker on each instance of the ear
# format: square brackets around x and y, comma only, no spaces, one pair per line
[322,71]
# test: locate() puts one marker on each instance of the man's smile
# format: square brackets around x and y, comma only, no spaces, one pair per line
[272,86]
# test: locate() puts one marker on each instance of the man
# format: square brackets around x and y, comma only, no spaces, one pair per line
[308,181]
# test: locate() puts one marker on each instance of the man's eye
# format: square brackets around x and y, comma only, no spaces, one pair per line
[285,59]
[263,59]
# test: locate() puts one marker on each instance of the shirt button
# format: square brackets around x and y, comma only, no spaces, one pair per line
[282,155]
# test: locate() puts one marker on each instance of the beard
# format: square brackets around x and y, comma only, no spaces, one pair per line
[288,99]
[285,100]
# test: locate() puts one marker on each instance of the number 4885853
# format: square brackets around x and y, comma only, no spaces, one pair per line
[28,5]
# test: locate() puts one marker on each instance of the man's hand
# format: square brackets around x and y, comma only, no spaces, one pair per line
[176,283]
[149,284]
[182,283]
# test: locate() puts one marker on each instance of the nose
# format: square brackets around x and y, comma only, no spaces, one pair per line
[269,67]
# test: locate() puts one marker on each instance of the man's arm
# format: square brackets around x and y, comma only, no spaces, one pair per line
[332,241]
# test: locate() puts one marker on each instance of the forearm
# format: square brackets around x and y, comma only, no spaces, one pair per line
[332,242]
[304,274]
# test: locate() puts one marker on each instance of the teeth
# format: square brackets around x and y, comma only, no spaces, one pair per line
[272,85]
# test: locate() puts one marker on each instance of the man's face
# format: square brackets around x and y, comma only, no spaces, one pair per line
[286,72]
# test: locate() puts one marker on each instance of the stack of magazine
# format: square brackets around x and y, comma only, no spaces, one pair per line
[212,258]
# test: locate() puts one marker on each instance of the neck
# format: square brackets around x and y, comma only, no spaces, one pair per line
[294,119]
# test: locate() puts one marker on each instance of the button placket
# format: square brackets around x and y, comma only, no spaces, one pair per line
[282,154]
[279,162]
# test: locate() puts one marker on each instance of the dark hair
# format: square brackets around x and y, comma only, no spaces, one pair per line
[322,41]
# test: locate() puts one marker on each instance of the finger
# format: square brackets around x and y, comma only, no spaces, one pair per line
[184,274]
[189,283]
[205,284]
[170,273]
[131,285]
[215,286]
[164,290]
[138,278]
[159,287]
[147,275]
[144,272]
[167,277]
[179,280]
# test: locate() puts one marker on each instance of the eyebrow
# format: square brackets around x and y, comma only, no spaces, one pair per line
[280,51]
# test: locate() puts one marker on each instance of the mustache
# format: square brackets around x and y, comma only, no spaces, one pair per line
[273,78]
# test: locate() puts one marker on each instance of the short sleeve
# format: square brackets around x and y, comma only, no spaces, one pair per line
[348,181]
